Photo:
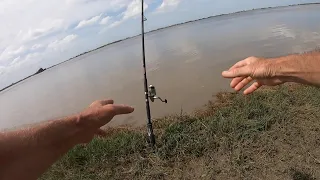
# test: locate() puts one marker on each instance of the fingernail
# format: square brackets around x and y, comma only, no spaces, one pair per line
[225,72]
[132,108]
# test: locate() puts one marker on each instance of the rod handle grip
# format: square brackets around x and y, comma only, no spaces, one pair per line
[152,140]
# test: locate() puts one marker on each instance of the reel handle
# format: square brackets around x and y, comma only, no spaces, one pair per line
[153,95]
[165,100]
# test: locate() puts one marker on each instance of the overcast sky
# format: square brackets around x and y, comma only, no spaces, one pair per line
[41,33]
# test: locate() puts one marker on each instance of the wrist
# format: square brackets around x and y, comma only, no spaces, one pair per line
[83,133]
[286,68]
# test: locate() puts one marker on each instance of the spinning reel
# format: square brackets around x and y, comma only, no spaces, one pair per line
[153,95]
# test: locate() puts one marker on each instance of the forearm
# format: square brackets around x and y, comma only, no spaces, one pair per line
[301,68]
[25,154]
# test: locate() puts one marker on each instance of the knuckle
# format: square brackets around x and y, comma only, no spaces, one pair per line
[111,110]
[94,103]
[235,71]
[252,59]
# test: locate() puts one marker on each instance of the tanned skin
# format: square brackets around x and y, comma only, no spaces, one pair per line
[28,153]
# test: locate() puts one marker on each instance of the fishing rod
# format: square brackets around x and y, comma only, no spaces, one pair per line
[149,91]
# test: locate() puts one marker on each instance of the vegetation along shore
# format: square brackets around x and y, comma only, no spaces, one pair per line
[272,134]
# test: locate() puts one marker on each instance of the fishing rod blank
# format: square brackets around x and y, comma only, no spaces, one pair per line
[150,92]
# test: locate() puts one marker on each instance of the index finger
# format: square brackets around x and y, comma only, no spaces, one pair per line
[237,72]
[238,64]
[120,109]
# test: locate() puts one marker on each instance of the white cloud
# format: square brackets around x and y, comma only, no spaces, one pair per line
[11,52]
[37,46]
[16,60]
[72,2]
[29,57]
[32,56]
[47,27]
[60,43]
[133,9]
[168,5]
[115,24]
[18,51]
[21,61]
[2,69]
[105,20]
[34,20]
[88,22]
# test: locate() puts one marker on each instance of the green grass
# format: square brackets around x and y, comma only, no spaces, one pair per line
[272,134]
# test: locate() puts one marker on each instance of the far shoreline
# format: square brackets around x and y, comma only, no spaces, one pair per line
[162,28]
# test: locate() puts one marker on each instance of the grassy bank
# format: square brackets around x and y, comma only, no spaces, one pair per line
[273,134]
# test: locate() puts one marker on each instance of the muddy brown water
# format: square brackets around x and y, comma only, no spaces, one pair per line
[184,62]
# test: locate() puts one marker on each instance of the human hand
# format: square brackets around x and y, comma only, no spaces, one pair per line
[260,70]
[99,114]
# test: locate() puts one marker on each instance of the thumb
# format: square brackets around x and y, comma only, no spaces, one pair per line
[237,72]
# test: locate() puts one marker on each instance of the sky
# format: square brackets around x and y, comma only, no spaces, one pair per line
[41,33]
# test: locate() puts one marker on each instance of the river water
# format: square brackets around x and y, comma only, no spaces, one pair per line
[184,62]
